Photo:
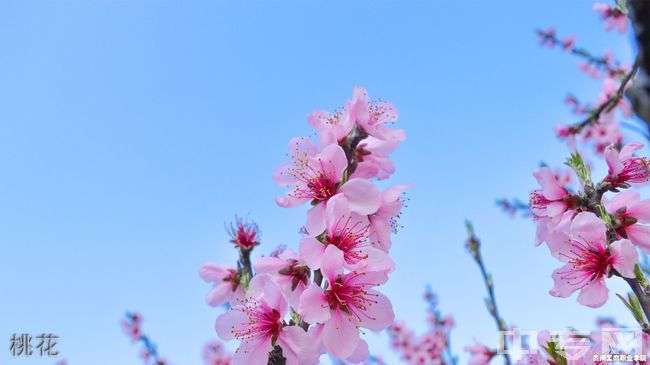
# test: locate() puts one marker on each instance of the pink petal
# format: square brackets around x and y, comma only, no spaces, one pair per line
[628,150]
[332,262]
[394,193]
[639,235]
[297,348]
[338,210]
[613,161]
[283,176]
[551,188]
[639,210]
[232,319]
[269,265]
[313,306]
[379,315]
[340,336]
[264,288]
[555,210]
[360,354]
[363,196]
[562,288]
[219,295]
[316,219]
[332,161]
[312,252]
[377,260]
[542,231]
[594,295]
[315,334]
[624,199]
[371,278]
[587,227]
[625,257]
[211,272]
[381,230]
[290,201]
[253,352]
[622,25]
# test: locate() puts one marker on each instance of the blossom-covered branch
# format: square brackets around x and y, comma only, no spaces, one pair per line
[433,347]
[291,307]
[132,327]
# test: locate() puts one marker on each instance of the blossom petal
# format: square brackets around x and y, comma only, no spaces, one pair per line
[360,354]
[594,295]
[253,352]
[312,251]
[219,295]
[639,235]
[363,196]
[313,306]
[625,257]
[562,287]
[316,219]
[379,315]
[211,272]
[297,347]
[340,336]
[551,188]
[587,227]
[233,319]
[332,262]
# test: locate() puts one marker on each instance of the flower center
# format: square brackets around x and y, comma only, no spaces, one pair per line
[263,322]
[588,263]
[349,238]
[321,187]
[538,203]
[244,234]
[350,298]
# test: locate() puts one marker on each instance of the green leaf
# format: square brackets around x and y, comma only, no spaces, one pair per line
[578,165]
[556,352]
[622,7]
[638,272]
[634,306]
[604,215]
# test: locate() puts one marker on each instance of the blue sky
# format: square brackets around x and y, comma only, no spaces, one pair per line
[130,131]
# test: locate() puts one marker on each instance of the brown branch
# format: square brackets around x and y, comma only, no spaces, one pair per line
[608,105]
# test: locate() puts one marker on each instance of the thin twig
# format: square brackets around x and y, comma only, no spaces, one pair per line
[473,245]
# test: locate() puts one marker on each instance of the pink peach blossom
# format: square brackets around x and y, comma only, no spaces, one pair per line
[132,326]
[480,354]
[331,127]
[288,270]
[384,221]
[589,261]
[258,323]
[552,200]
[348,303]
[625,169]
[372,117]
[627,211]
[226,283]
[613,17]
[347,232]
[317,176]
[372,156]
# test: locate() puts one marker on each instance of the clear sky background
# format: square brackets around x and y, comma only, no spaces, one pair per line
[130,131]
